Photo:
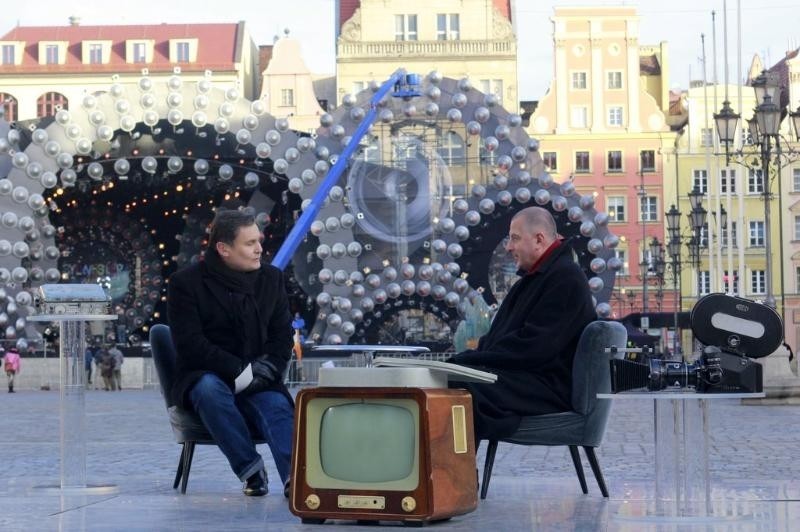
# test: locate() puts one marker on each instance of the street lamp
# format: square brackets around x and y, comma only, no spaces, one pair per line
[764,128]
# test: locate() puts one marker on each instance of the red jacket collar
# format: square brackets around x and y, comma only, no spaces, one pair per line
[549,251]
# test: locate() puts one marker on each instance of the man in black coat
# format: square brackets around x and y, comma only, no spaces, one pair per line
[230,322]
[532,340]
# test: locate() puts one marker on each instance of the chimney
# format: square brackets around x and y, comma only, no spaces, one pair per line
[74,20]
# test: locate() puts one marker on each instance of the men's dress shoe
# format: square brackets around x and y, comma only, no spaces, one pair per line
[256,485]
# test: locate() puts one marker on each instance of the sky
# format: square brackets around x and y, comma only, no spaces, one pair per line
[769,28]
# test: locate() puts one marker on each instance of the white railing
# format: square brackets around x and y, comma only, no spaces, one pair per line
[392,49]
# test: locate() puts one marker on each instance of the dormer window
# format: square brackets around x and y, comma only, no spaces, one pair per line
[182,50]
[11,52]
[52,52]
[95,52]
[139,51]
[8,54]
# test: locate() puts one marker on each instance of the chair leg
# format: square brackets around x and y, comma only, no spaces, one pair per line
[187,466]
[179,472]
[598,475]
[576,461]
[487,467]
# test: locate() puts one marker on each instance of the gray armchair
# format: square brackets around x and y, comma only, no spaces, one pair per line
[187,426]
[586,423]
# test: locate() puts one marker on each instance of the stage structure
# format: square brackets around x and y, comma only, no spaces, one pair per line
[119,188]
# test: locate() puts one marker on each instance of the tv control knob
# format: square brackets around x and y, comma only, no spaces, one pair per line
[312,501]
[408,504]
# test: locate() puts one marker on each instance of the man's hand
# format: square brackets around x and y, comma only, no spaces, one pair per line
[265,370]
[265,373]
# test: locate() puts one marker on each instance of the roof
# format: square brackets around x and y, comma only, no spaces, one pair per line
[348,7]
[218,46]
[649,65]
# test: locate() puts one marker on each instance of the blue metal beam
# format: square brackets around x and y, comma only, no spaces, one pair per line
[300,228]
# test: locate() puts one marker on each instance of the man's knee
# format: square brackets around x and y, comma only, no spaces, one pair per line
[209,386]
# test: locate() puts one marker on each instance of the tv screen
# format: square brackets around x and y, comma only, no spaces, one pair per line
[367,442]
[362,444]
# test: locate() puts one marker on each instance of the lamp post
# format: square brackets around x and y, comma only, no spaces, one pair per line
[764,128]
[644,265]
[697,220]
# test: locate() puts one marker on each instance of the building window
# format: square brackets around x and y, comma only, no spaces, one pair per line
[486,157]
[182,52]
[579,80]
[550,159]
[727,280]
[648,206]
[493,86]
[51,54]
[8,54]
[727,175]
[758,282]
[448,27]
[358,86]
[616,208]
[371,153]
[614,161]
[700,180]
[703,236]
[9,105]
[451,149]
[797,227]
[797,278]
[756,234]
[287,97]
[95,54]
[615,80]
[615,116]
[580,117]
[755,181]
[582,162]
[734,240]
[704,282]
[47,104]
[647,160]
[620,254]
[706,137]
[795,179]
[405,27]
[139,52]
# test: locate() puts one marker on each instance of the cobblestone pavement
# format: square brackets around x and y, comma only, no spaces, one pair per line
[130,445]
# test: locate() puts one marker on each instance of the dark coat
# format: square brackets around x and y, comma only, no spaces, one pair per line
[530,346]
[203,329]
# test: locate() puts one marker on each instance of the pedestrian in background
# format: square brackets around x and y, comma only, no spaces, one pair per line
[11,366]
[107,369]
[118,359]
[87,364]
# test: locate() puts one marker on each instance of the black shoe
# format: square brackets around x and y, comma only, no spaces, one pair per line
[256,485]
[287,488]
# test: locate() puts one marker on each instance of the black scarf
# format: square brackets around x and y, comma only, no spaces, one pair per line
[241,287]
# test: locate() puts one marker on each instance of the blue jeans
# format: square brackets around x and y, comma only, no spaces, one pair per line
[226,416]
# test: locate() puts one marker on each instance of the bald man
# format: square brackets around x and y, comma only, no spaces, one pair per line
[532,340]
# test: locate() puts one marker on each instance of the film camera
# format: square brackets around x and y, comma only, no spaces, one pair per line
[733,330]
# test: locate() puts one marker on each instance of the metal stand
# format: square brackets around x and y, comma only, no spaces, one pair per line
[73,412]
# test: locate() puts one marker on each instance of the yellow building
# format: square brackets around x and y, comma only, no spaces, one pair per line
[459,38]
[43,68]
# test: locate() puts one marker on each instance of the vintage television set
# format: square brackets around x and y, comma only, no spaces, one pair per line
[383,453]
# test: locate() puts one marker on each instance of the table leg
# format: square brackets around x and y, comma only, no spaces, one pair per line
[667,452]
[695,457]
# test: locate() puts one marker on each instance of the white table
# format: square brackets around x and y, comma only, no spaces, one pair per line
[681,418]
